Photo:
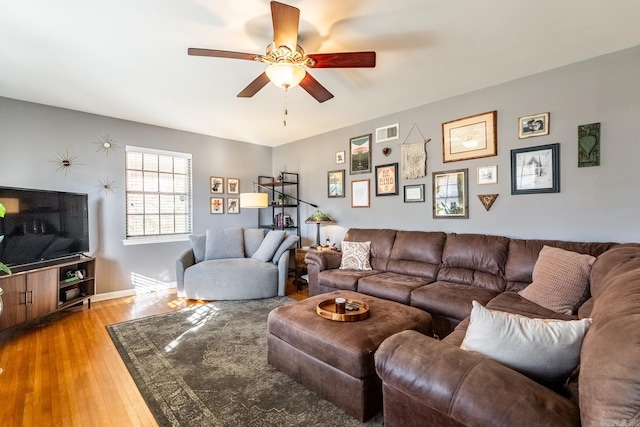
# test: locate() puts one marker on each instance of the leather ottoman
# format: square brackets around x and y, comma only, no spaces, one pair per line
[335,359]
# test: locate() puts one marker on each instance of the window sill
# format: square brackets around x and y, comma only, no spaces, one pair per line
[155,239]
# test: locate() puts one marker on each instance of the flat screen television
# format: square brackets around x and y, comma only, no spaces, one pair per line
[41,225]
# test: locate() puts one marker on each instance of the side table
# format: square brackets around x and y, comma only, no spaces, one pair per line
[301,268]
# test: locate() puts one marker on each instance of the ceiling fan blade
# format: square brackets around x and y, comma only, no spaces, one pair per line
[285,25]
[344,60]
[253,88]
[315,89]
[221,53]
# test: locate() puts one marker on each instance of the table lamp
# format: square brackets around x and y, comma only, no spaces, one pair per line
[319,217]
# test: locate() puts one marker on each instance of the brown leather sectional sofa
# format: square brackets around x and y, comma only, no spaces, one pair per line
[433,382]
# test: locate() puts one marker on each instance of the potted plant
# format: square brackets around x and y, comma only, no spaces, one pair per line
[2,266]
[283,199]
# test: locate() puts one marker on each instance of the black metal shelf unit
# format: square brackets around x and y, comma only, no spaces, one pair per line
[284,203]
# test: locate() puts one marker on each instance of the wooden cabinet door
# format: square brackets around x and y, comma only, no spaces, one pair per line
[13,299]
[42,292]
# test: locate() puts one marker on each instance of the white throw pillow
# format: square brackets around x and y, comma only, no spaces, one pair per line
[542,349]
[355,256]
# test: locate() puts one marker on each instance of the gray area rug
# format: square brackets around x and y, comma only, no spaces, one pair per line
[207,366]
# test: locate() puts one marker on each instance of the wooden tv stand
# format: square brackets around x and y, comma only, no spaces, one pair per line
[51,286]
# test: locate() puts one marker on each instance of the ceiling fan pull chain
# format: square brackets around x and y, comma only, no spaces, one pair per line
[285,106]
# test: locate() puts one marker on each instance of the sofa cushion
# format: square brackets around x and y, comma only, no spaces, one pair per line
[269,245]
[355,256]
[382,241]
[475,259]
[452,300]
[287,243]
[523,254]
[543,349]
[253,237]
[391,286]
[417,253]
[343,279]
[227,243]
[560,280]
[198,246]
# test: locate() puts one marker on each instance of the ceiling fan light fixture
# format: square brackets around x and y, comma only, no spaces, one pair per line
[285,75]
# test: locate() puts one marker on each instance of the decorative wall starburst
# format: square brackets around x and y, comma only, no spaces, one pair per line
[106,144]
[66,162]
[106,186]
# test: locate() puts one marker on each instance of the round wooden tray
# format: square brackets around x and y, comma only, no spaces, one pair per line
[327,309]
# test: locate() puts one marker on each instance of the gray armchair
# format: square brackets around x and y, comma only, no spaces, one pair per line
[235,264]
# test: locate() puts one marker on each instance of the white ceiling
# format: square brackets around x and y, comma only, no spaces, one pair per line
[128,58]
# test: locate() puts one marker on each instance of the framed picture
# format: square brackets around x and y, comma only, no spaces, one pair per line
[340,157]
[414,193]
[233,205]
[451,194]
[535,169]
[536,125]
[360,193]
[233,186]
[217,205]
[335,183]
[470,138]
[488,174]
[387,180]
[216,185]
[360,154]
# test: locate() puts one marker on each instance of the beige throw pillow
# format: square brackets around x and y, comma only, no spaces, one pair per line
[542,349]
[355,256]
[560,280]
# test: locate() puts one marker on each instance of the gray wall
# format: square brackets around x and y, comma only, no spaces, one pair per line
[32,135]
[595,204]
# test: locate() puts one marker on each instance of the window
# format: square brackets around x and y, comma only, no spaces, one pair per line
[158,193]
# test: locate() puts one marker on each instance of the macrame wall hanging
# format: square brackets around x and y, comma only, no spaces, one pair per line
[414,156]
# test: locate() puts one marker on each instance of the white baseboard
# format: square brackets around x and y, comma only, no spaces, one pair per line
[122,294]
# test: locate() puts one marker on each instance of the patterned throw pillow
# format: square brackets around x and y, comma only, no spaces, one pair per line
[560,280]
[542,349]
[355,256]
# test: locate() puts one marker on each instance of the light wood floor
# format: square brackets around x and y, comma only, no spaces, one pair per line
[65,370]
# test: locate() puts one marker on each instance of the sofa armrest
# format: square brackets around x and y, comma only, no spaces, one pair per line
[323,260]
[466,387]
[184,261]
[283,272]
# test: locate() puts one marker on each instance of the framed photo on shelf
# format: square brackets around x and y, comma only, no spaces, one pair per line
[414,193]
[340,157]
[487,174]
[470,137]
[535,125]
[360,154]
[216,185]
[360,193]
[387,180]
[335,183]
[535,169]
[217,205]
[233,205]
[233,186]
[451,194]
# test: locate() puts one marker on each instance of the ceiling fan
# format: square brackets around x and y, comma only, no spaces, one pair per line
[288,61]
